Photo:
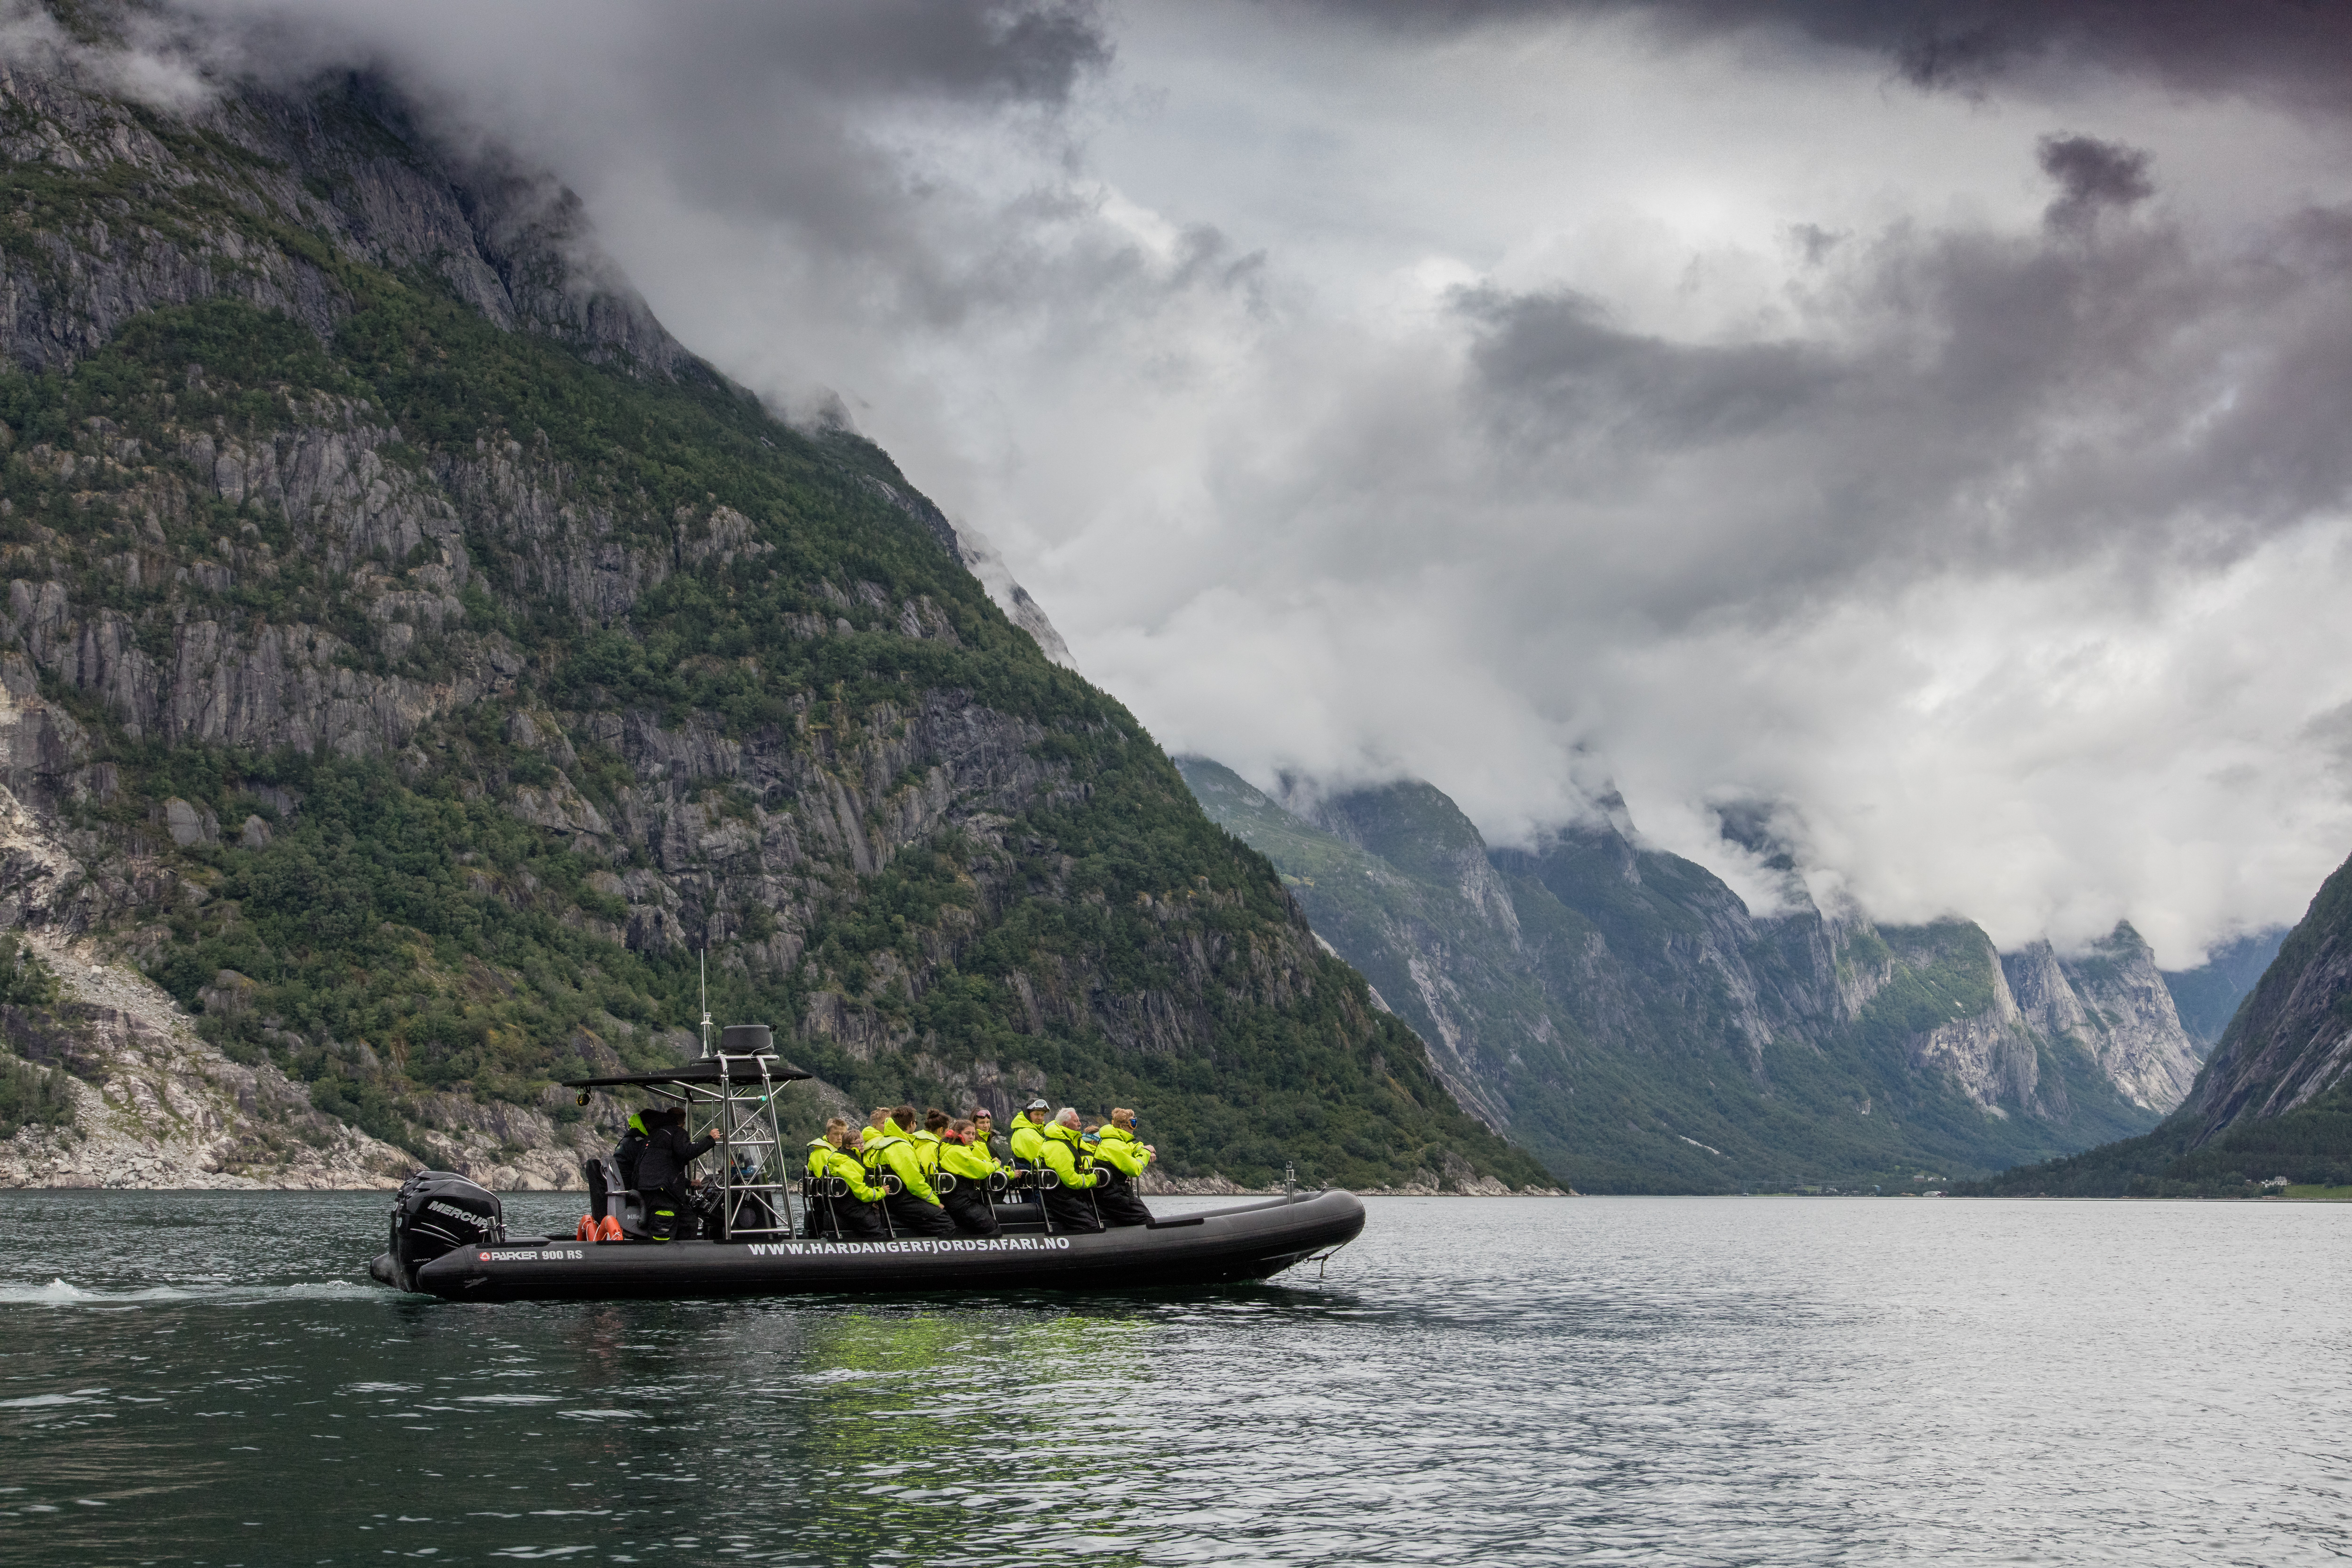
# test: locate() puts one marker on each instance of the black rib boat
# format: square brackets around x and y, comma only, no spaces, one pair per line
[769,1235]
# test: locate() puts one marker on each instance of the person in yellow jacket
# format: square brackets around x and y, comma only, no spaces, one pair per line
[914,1209]
[962,1156]
[873,1130]
[983,1135]
[1121,1159]
[860,1213]
[1027,1140]
[927,1139]
[1070,1205]
[1025,1145]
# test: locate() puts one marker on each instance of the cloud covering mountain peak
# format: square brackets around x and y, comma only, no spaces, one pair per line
[1924,418]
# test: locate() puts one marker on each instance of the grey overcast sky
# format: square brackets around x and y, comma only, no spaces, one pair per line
[1922,423]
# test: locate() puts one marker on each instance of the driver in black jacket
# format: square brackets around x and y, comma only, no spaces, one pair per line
[626,1152]
[661,1170]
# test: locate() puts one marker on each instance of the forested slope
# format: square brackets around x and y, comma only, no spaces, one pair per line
[414,657]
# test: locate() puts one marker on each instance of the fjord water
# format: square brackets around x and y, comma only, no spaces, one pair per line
[209,1378]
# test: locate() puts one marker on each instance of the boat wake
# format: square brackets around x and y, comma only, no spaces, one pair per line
[66,1293]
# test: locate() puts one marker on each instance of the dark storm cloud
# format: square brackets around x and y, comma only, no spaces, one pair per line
[1964,399]
[2295,50]
[1555,369]
[786,114]
[2092,175]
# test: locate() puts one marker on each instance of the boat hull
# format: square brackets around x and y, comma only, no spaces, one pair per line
[1220,1246]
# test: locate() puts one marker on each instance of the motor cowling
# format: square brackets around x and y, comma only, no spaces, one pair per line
[436,1212]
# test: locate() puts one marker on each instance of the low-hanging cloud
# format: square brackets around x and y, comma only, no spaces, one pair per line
[834,127]
[1954,496]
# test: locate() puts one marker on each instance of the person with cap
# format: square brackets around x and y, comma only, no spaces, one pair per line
[914,1209]
[1122,1159]
[662,1172]
[1027,1140]
[858,1212]
[1070,1202]
[1025,1148]
[964,1159]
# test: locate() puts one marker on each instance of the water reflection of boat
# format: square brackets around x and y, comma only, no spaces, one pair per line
[767,1232]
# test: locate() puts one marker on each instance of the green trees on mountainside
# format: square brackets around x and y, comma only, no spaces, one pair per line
[645,672]
[2310,1146]
[1620,1012]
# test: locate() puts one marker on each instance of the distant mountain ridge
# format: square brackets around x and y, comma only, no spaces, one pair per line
[1623,1013]
[2273,1103]
[2207,997]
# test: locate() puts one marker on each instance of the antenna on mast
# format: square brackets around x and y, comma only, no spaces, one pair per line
[705,1004]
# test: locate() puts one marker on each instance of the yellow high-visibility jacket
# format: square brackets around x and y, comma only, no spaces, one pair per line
[896,1155]
[1120,1148]
[825,1159]
[1067,1159]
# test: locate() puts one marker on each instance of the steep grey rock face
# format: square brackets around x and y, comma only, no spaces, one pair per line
[2291,1042]
[512,243]
[1446,913]
[2044,997]
[2112,1001]
[793,805]
[1671,936]
[2138,1038]
[242,681]
[1991,1054]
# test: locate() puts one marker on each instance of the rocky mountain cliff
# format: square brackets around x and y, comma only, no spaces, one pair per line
[2290,1043]
[2272,1105]
[1623,1014]
[2113,1002]
[414,657]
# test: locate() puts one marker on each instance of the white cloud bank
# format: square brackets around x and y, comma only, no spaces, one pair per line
[1959,475]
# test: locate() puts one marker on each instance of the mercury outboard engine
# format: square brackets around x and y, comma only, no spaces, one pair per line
[434,1212]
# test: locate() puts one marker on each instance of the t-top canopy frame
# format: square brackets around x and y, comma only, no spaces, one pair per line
[739,1093]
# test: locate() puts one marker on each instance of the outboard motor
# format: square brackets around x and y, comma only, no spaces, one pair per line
[436,1212]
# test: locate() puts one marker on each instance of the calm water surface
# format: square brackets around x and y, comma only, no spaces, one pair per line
[209,1378]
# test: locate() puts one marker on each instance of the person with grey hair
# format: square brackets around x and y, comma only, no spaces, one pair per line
[1071,1204]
